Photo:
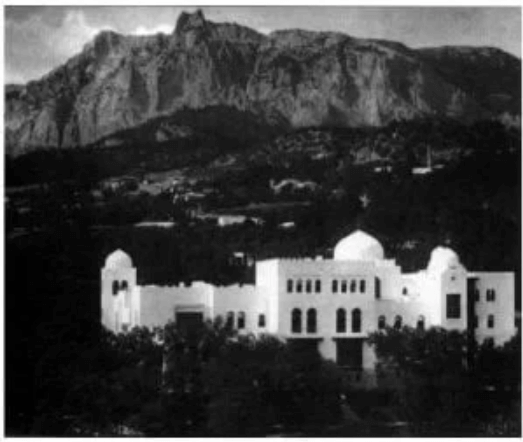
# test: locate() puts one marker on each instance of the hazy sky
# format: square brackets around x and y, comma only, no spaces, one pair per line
[38,39]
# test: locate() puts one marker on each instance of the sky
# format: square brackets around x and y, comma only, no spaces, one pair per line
[40,38]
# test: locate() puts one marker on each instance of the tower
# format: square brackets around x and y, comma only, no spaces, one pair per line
[119,294]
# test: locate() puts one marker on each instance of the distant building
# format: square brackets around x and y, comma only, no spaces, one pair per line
[330,304]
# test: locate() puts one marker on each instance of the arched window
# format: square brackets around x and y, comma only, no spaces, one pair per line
[230,320]
[490,321]
[261,321]
[353,286]
[296,321]
[308,286]
[362,286]
[311,321]
[334,286]
[420,325]
[241,320]
[356,320]
[397,322]
[124,285]
[341,320]
[299,286]
[115,287]
[343,286]
[290,285]
[381,322]
[491,295]
[317,287]
[377,288]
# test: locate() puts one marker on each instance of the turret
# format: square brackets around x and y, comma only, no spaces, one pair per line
[119,297]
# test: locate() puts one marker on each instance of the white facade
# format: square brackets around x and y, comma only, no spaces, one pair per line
[329,303]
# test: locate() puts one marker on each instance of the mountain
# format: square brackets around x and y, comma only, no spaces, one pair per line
[287,79]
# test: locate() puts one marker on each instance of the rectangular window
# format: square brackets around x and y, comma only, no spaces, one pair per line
[490,321]
[454,306]
[261,321]
[318,286]
[491,295]
[343,286]
[289,285]
[377,288]
[335,286]
[362,286]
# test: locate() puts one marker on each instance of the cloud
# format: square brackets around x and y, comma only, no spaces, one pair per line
[34,46]
[143,30]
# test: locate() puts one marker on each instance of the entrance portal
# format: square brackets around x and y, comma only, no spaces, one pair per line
[349,353]
[189,323]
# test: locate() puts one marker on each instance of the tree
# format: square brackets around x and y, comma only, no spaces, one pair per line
[440,381]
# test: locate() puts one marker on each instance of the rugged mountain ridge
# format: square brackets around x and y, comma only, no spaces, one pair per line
[290,78]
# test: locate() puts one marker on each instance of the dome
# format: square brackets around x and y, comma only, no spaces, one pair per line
[442,258]
[358,246]
[118,259]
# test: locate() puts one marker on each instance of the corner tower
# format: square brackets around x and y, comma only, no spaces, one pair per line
[118,280]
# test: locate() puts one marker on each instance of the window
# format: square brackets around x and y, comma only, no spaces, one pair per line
[356,320]
[476,295]
[377,288]
[404,291]
[230,320]
[308,286]
[317,287]
[241,320]
[335,286]
[453,306]
[115,287]
[420,325]
[343,286]
[381,322]
[296,321]
[362,286]
[123,285]
[290,285]
[353,286]
[398,320]
[491,295]
[311,321]
[261,321]
[476,321]
[341,320]
[299,286]
[490,321]
[125,328]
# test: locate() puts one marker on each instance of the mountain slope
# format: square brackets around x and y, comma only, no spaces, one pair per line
[288,79]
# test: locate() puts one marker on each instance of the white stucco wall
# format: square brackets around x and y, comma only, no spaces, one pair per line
[158,304]
[502,308]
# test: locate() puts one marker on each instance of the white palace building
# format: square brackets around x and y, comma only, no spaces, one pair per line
[329,303]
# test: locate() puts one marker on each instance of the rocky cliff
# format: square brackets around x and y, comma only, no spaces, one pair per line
[291,78]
